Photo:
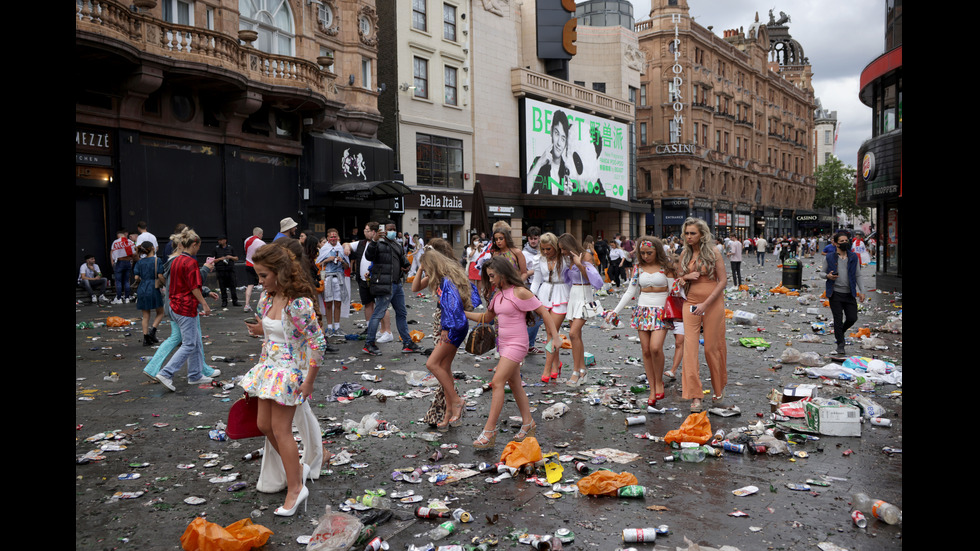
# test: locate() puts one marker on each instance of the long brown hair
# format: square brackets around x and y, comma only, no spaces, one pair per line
[437,266]
[291,279]
[660,256]
[503,268]
[707,254]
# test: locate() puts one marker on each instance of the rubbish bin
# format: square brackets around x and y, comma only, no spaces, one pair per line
[792,274]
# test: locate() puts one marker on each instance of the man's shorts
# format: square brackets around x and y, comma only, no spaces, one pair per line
[365,291]
[251,278]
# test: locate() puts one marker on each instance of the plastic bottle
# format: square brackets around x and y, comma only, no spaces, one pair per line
[690,455]
[877,508]
[441,531]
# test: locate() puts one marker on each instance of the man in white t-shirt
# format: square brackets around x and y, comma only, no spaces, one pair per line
[735,257]
[252,244]
[145,235]
[760,250]
[90,277]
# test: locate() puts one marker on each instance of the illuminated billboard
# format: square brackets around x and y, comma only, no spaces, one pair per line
[571,153]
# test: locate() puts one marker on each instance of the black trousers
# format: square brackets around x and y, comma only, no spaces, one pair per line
[737,273]
[227,280]
[845,309]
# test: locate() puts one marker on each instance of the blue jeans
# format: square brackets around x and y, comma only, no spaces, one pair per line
[761,258]
[532,331]
[168,346]
[381,302]
[190,351]
[123,271]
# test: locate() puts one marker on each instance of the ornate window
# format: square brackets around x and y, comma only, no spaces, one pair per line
[273,20]
[327,17]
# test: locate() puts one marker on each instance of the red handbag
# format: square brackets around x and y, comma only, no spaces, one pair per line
[674,308]
[242,419]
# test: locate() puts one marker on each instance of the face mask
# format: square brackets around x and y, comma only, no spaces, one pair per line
[845,246]
[391,235]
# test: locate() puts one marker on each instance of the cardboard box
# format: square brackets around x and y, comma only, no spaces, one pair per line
[832,418]
[794,392]
[589,358]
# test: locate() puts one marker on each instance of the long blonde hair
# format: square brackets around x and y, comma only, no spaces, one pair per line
[437,266]
[707,255]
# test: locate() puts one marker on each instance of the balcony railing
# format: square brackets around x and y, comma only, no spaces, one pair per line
[112,19]
[523,81]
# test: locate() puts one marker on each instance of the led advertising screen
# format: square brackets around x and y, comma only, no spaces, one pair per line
[571,153]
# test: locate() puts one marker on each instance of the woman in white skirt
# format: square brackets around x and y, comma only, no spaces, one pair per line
[548,285]
[582,278]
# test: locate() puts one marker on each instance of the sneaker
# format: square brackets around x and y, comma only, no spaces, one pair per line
[116,300]
[102,298]
[371,349]
[95,299]
[247,308]
[203,380]
[411,348]
[386,337]
[216,373]
[169,383]
[126,300]
[535,350]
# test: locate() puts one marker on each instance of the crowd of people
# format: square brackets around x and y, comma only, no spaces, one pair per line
[674,286]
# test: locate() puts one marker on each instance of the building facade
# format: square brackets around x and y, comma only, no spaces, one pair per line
[549,152]
[225,115]
[724,125]
[425,62]
[879,179]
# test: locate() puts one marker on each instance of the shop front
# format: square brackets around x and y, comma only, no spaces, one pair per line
[443,214]
[350,181]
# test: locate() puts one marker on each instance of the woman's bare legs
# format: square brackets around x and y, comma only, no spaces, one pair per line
[440,365]
[578,348]
[551,360]
[276,423]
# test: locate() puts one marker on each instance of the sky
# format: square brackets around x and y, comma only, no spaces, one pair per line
[840,37]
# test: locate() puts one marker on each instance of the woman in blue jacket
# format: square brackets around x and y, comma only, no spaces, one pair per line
[844,289]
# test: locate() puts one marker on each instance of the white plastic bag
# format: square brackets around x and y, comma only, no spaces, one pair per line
[368,423]
[790,356]
[810,359]
[335,532]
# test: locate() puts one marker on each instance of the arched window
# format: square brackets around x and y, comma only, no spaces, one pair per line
[273,20]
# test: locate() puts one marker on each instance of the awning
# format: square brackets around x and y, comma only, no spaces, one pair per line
[381,189]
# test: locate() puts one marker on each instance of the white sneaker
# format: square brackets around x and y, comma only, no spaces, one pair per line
[386,337]
[169,383]
[95,299]
[126,300]
[203,380]
[217,373]
[102,298]
[117,300]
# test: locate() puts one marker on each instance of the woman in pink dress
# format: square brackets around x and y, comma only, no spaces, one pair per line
[512,304]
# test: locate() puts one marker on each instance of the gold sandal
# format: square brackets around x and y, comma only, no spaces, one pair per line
[526,430]
[486,440]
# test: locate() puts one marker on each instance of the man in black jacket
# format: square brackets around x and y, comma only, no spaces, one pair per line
[388,265]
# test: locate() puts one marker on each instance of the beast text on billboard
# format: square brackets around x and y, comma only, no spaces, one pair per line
[569,152]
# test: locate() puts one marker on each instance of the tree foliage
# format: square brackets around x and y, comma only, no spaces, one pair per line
[836,188]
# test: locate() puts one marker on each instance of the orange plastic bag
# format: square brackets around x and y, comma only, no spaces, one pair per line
[356,306]
[116,321]
[565,343]
[605,483]
[862,332]
[743,287]
[243,535]
[729,314]
[605,276]
[517,454]
[416,335]
[792,293]
[779,289]
[696,428]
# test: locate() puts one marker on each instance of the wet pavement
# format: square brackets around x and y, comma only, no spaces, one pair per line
[161,430]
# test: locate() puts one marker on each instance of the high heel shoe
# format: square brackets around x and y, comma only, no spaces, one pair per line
[486,440]
[652,401]
[454,420]
[303,494]
[307,473]
[583,376]
[546,378]
[526,430]
[556,375]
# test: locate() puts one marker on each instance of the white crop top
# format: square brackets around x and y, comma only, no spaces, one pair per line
[648,299]
[273,330]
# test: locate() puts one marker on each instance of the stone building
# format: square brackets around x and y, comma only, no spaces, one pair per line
[226,115]
[724,125]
